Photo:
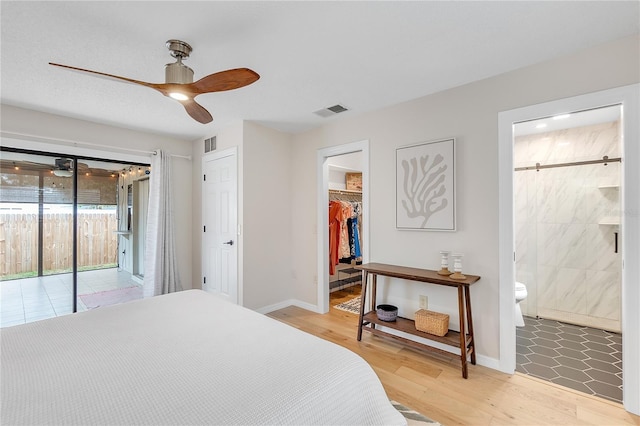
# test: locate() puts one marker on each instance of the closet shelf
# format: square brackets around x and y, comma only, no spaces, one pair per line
[345,191]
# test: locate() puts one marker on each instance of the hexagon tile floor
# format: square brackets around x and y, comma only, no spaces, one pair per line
[582,358]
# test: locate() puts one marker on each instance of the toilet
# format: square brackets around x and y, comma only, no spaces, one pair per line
[521,294]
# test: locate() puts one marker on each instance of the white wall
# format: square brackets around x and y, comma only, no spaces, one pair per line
[268,270]
[264,212]
[470,114]
[24,121]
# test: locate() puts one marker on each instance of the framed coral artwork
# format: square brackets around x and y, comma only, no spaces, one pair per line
[426,186]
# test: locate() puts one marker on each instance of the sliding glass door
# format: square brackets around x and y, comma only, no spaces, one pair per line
[63,243]
[36,208]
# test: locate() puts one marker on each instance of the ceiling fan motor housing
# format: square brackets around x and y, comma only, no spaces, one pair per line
[177,72]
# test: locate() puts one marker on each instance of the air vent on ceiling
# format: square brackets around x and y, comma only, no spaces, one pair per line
[332,110]
[210,144]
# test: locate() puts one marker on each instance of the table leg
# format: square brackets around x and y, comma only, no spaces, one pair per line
[467,298]
[362,302]
[463,336]
[374,287]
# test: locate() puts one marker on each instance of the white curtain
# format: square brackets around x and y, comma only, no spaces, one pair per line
[161,268]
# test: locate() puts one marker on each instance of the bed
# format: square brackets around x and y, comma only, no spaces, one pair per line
[183,358]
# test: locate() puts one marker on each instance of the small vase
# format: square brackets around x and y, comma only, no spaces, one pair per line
[444,263]
[457,267]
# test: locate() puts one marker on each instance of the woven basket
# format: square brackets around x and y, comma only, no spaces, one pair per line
[432,322]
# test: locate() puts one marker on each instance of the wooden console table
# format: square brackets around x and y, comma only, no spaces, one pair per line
[463,340]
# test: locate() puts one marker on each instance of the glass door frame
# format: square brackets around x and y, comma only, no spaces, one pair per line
[74,251]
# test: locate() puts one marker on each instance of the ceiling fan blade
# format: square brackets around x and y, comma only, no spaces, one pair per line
[217,82]
[108,76]
[225,80]
[197,111]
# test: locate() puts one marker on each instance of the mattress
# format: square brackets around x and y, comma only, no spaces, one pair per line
[183,358]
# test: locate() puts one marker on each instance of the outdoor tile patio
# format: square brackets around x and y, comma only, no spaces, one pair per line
[32,299]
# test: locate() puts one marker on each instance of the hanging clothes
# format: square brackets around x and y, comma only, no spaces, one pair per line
[347,213]
[344,230]
[355,241]
[356,253]
[335,219]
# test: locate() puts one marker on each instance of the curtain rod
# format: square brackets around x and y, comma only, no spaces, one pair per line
[72,142]
[605,160]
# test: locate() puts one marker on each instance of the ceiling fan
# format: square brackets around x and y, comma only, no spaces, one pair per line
[63,167]
[179,82]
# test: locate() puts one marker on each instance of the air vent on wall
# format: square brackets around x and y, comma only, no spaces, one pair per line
[332,110]
[210,144]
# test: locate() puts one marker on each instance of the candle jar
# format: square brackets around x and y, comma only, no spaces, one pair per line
[444,263]
[457,267]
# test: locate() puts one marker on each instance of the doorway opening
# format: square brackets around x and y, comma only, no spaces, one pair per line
[568,260]
[332,167]
[627,98]
[345,219]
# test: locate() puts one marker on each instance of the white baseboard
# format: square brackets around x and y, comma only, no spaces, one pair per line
[488,362]
[483,360]
[285,303]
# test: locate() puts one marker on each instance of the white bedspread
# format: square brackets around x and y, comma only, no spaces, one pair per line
[185,358]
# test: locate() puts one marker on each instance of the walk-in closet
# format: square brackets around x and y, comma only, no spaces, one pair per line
[345,230]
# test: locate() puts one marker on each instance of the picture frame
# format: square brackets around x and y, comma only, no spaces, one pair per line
[426,186]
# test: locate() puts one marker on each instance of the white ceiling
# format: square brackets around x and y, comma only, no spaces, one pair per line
[569,120]
[310,55]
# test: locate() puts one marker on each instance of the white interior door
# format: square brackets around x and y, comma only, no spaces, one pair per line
[220,224]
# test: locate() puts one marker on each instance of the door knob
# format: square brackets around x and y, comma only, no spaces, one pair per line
[230,242]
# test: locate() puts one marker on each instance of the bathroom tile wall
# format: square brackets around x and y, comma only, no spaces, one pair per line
[565,241]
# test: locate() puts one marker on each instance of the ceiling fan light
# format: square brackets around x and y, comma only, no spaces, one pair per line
[178,96]
[63,173]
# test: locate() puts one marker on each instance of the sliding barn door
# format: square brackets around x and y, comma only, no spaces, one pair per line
[220,225]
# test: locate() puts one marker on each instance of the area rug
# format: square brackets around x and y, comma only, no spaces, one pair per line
[413,417]
[111,297]
[351,305]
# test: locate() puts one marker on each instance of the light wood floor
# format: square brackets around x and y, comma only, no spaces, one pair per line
[436,388]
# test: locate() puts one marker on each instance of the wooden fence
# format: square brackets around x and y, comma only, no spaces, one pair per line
[97,241]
